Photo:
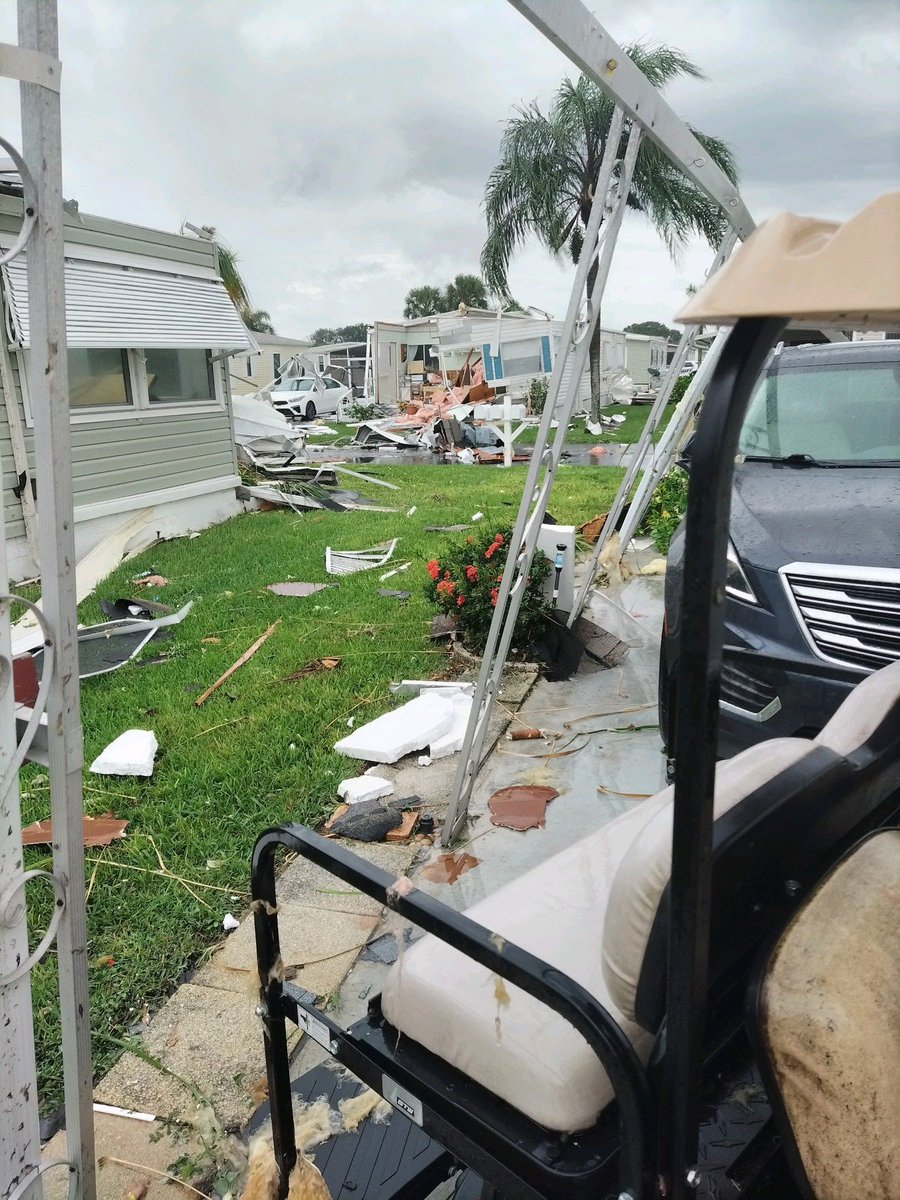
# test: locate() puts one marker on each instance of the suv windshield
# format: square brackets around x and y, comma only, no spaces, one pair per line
[839,415]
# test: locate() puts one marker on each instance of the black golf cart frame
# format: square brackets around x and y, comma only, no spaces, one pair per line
[646,1144]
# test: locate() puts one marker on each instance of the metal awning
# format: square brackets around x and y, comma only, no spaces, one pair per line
[109,305]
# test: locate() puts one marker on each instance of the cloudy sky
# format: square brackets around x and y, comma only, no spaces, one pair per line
[341,146]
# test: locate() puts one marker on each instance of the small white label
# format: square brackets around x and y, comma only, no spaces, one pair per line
[402,1100]
[317,1030]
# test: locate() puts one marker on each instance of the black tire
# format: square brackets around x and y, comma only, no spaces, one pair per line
[310,411]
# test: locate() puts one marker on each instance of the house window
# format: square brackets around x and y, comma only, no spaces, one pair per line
[99,378]
[177,376]
[276,365]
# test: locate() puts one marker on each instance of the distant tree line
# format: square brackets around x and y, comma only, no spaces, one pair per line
[654,329]
[470,290]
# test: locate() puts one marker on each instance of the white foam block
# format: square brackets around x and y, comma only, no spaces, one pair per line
[364,787]
[452,741]
[132,753]
[397,733]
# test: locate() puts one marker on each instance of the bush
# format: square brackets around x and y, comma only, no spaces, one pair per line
[667,506]
[465,580]
[679,388]
[362,412]
[537,394]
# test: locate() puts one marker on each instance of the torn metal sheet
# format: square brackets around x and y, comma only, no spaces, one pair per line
[129,610]
[97,831]
[111,644]
[347,562]
[390,594]
[371,433]
[271,495]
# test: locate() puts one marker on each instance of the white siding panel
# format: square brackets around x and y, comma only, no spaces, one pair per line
[113,306]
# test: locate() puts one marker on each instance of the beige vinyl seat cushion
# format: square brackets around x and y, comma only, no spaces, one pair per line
[562,912]
[862,711]
[830,1019]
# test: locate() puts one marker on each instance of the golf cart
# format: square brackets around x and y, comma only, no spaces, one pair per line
[700,998]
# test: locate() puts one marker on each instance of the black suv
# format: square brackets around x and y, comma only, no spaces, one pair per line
[814,561]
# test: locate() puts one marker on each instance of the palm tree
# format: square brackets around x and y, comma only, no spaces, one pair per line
[466,289]
[258,320]
[544,183]
[423,301]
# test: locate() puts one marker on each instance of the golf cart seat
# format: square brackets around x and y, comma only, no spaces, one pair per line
[828,1020]
[587,911]
[598,912]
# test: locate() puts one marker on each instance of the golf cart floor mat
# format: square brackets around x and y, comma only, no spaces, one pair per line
[380,1160]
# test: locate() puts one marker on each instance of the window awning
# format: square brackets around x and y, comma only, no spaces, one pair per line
[131,307]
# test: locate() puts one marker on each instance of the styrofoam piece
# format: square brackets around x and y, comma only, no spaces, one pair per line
[132,753]
[364,787]
[391,736]
[452,741]
[230,923]
[423,760]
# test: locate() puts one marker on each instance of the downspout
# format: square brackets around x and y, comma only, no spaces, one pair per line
[24,478]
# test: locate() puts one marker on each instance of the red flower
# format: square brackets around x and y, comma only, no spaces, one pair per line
[460,600]
[499,539]
[490,552]
[434,568]
[472,574]
[446,574]
[495,596]
[446,587]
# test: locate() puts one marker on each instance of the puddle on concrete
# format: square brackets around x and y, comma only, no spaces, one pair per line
[523,806]
[447,868]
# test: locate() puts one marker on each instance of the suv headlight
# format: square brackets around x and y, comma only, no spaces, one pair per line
[736,582]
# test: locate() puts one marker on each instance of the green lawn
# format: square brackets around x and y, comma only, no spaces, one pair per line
[259,751]
[628,432]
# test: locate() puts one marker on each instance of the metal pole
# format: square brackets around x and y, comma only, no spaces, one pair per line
[645,444]
[544,459]
[48,389]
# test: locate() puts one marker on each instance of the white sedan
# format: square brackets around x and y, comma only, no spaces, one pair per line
[309,397]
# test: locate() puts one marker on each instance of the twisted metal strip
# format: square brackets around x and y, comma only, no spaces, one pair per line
[12,910]
[30,218]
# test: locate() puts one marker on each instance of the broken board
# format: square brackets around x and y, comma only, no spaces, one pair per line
[379,1161]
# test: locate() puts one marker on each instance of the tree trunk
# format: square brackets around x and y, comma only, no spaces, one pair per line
[596,357]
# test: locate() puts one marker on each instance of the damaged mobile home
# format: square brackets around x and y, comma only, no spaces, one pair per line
[149,327]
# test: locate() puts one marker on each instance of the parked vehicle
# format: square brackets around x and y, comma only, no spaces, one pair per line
[309,397]
[689,368]
[813,592]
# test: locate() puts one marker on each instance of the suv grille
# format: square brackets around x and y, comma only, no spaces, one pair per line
[851,615]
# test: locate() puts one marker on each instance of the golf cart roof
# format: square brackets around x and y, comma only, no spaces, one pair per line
[806,269]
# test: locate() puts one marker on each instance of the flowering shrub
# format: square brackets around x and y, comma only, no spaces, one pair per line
[465,581]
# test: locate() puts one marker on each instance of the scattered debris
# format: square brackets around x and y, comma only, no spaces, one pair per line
[113,1110]
[26,683]
[355,1109]
[211,641]
[424,760]
[391,594]
[382,950]
[298,589]
[411,727]
[446,687]
[364,787]
[150,581]
[597,452]
[347,562]
[446,528]
[524,735]
[444,625]
[132,753]
[477,516]
[136,1191]
[592,529]
[410,511]
[127,610]
[627,795]
[407,827]
[313,668]
[245,657]
[523,806]
[447,868]
[230,923]
[271,497]
[368,821]
[96,831]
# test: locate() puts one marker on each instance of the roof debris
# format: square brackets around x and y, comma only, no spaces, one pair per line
[96,831]
[245,657]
